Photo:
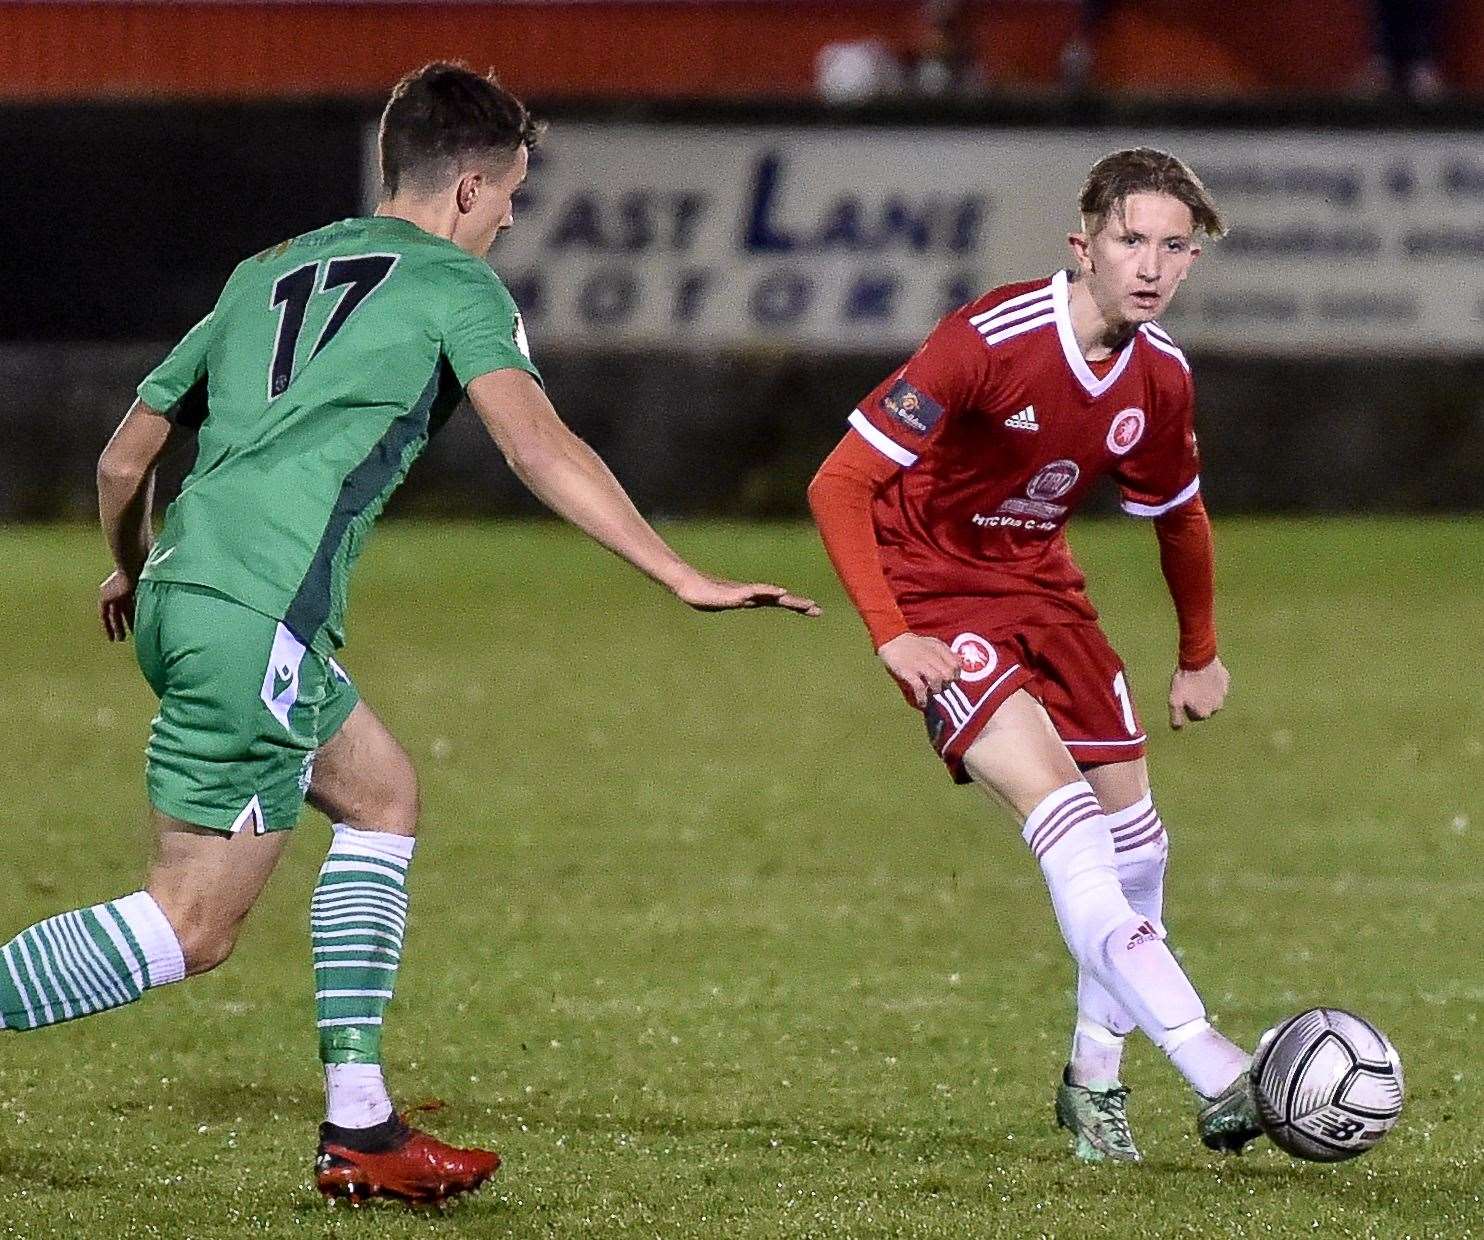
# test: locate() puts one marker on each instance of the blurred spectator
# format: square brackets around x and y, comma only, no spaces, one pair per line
[1079,55]
[1405,43]
[946,63]
[856,72]
[943,64]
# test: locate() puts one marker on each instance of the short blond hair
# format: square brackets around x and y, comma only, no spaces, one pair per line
[1145,170]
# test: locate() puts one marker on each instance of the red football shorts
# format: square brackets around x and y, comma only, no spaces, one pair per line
[1070,668]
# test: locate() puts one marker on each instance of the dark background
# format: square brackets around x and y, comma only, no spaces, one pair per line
[146,148]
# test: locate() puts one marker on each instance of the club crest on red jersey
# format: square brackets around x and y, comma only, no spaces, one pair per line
[1053,481]
[1127,429]
[976,656]
[914,409]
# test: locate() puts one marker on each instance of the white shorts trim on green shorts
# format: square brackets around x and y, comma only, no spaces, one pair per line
[244,706]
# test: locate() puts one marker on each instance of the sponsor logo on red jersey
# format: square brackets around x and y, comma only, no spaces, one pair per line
[1127,429]
[1036,511]
[1054,480]
[912,408]
[1033,508]
[1007,521]
[975,655]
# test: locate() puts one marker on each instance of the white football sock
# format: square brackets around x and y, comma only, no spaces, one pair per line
[164,961]
[1096,1054]
[87,961]
[1069,835]
[1209,1061]
[1140,850]
[355,1095]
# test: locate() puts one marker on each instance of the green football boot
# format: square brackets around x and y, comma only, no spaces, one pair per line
[1229,1121]
[1097,1117]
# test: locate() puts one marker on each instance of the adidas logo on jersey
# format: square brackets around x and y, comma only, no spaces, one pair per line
[1025,420]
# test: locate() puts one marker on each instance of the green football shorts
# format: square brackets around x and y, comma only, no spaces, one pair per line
[243,707]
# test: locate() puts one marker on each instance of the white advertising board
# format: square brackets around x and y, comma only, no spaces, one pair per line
[858,238]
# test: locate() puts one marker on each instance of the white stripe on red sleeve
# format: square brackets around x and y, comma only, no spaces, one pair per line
[883,443]
[1158,510]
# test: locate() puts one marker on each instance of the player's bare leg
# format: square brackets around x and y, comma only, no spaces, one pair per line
[206,883]
[365,783]
[364,778]
[185,921]
[1020,759]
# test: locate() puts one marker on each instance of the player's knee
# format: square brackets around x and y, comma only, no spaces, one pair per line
[206,938]
[1143,868]
[1086,891]
[1143,851]
[206,948]
[1087,934]
[389,800]
[400,796]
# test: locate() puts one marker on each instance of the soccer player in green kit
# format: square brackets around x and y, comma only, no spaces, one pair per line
[311,387]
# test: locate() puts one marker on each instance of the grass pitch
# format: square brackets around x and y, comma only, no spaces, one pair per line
[706,943]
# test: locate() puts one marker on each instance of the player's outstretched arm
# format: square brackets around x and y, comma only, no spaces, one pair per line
[126,484]
[571,479]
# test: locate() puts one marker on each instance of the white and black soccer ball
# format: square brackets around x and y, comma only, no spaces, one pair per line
[1328,1084]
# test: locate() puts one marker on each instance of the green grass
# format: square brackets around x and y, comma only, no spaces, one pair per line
[706,943]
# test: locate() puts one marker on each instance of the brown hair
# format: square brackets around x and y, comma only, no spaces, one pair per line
[1144,170]
[441,116]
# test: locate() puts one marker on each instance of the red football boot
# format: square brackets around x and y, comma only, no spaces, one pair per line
[393,1160]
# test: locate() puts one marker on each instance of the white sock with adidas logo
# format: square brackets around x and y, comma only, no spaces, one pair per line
[1069,835]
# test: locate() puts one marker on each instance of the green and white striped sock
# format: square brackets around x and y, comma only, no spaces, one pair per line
[87,961]
[357,918]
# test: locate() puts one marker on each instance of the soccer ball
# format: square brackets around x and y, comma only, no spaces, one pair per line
[1328,1084]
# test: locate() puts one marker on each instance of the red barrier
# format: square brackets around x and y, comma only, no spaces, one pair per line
[730,48]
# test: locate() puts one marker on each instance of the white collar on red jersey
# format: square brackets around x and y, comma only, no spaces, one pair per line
[1090,382]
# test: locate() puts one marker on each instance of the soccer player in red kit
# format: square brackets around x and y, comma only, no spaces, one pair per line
[943,510]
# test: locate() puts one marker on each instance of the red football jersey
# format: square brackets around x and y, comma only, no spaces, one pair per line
[1002,427]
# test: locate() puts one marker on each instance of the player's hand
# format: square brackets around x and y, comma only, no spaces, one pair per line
[116,605]
[1199,694]
[924,664]
[717,594]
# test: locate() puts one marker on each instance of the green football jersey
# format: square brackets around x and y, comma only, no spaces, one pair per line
[315,383]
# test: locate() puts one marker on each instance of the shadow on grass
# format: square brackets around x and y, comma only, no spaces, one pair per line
[39,1168]
[208,1100]
[484,1204]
